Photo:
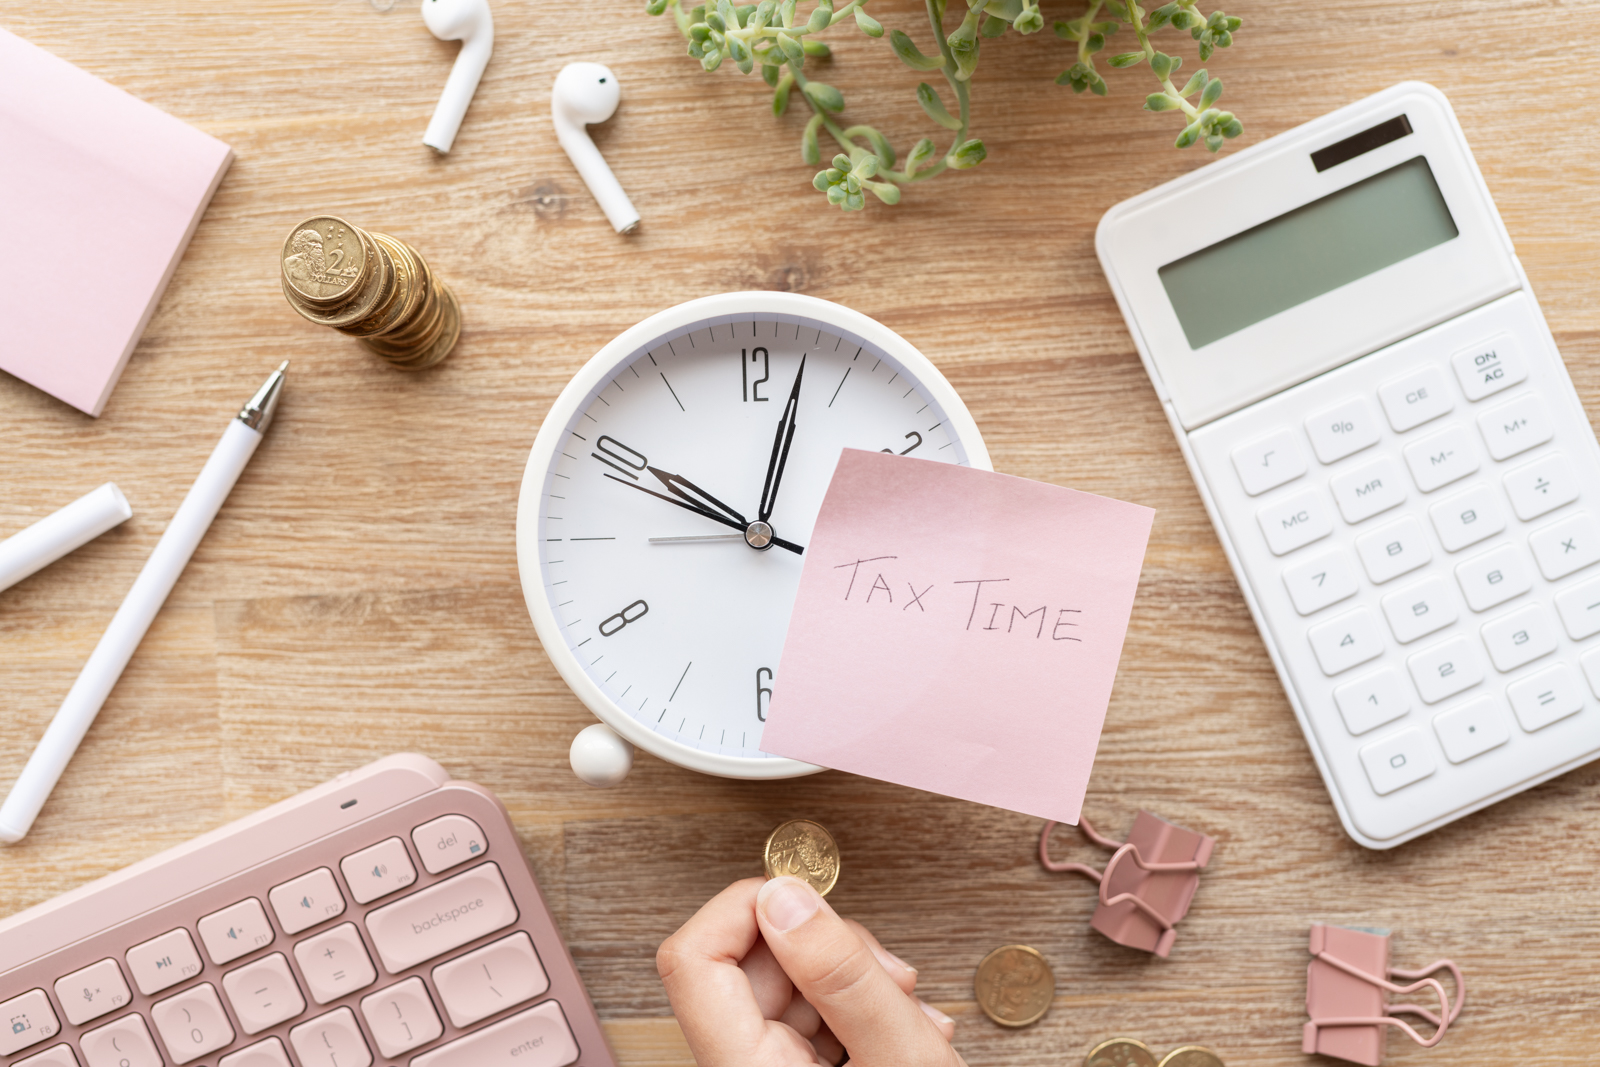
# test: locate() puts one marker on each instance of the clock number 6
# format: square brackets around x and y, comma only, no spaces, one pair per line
[623,618]
[749,388]
[762,690]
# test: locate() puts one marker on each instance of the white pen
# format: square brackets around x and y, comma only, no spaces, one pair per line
[138,610]
[55,535]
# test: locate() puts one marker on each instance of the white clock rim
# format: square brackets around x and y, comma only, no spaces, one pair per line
[626,347]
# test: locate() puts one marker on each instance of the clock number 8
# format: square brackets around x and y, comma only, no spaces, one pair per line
[623,618]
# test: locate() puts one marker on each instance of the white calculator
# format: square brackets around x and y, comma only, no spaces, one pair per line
[1390,449]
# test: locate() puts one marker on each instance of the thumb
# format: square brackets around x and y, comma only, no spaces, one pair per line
[838,974]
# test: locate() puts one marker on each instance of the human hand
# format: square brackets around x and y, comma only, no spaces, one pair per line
[768,975]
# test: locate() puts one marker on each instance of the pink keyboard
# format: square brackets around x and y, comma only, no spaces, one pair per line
[387,917]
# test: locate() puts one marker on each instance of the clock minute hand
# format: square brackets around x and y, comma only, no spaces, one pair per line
[780,447]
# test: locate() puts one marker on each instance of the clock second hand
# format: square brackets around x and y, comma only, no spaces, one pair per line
[706,512]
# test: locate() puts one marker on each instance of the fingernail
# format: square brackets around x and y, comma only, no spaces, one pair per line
[935,1014]
[890,961]
[787,902]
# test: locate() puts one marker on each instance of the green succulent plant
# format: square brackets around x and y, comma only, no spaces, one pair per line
[774,36]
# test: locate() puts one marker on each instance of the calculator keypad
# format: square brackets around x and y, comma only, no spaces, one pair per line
[1426,577]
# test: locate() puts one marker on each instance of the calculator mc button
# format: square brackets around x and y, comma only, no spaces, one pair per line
[1317,583]
[1445,457]
[1396,761]
[1489,367]
[1546,697]
[1566,547]
[1367,703]
[1540,487]
[1448,668]
[1416,398]
[1290,523]
[1390,551]
[1343,430]
[1471,729]
[1269,462]
[1368,490]
[1347,641]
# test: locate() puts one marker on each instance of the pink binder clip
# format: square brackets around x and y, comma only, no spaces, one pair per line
[1147,884]
[1345,986]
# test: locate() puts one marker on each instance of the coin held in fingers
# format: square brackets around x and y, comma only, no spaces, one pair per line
[1014,986]
[804,849]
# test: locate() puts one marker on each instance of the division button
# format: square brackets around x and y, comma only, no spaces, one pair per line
[1471,729]
[1416,398]
[1546,697]
[163,961]
[303,902]
[235,931]
[1540,487]
[448,841]
[1287,525]
[490,979]
[378,871]
[1489,367]
[26,1020]
[1398,760]
[92,992]
[263,993]
[538,1037]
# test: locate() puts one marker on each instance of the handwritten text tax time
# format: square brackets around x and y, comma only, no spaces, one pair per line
[982,613]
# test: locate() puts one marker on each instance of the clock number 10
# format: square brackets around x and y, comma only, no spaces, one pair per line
[751,390]
[619,457]
[613,624]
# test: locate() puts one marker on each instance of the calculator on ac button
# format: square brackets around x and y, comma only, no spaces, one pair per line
[1390,449]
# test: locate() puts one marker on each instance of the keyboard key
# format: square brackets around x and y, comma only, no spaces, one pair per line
[1541,486]
[1367,703]
[163,961]
[1288,525]
[538,1037]
[1495,577]
[1390,551]
[1513,428]
[235,931]
[442,917]
[1415,399]
[1343,430]
[303,902]
[1590,662]
[1397,760]
[92,992]
[26,1020]
[1467,518]
[1487,368]
[1268,463]
[1421,609]
[495,977]
[1520,637]
[1579,608]
[1566,547]
[192,1023]
[1445,457]
[1446,669]
[1471,729]
[401,1017]
[263,993]
[1347,641]
[447,841]
[1546,697]
[378,871]
[333,1040]
[1316,583]
[124,1043]
[268,1053]
[335,963]
[60,1056]
[1369,489]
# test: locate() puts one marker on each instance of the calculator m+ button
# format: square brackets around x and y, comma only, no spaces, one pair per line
[1295,522]
[1390,551]
[1369,490]
[1343,430]
[1398,760]
[1566,547]
[1447,456]
[1417,398]
[1446,669]
[1516,426]
[1485,369]
[1467,518]
[1540,487]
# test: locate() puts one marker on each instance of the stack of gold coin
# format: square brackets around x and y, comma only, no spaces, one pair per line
[371,286]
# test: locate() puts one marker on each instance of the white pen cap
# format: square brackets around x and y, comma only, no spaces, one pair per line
[54,536]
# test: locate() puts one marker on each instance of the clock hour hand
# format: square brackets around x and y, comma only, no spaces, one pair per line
[780,447]
[707,513]
[680,486]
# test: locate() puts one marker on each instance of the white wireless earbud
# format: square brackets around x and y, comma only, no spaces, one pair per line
[471,23]
[600,757]
[585,93]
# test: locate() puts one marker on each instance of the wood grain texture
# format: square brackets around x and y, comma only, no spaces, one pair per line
[358,594]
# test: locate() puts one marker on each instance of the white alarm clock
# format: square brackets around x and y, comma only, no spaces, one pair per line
[669,498]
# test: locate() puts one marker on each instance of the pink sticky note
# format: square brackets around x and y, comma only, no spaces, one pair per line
[102,193]
[958,631]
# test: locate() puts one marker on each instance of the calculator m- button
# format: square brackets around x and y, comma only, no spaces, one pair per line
[1295,522]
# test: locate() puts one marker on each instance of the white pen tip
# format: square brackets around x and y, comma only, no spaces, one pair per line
[283,366]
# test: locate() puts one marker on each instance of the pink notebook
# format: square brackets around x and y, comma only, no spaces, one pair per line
[102,193]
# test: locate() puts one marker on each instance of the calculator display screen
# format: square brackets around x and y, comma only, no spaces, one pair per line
[1306,252]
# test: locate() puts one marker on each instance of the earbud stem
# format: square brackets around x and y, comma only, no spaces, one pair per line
[596,174]
[458,90]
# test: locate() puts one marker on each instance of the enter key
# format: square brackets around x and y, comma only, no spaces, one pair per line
[441,918]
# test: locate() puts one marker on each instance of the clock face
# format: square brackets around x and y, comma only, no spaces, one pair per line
[675,503]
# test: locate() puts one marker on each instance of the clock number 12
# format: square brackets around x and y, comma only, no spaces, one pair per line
[763,691]
[751,389]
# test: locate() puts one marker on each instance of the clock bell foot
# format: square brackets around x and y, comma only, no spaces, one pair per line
[600,757]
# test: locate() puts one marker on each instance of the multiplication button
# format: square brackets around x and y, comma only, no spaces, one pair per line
[1287,525]
[1396,761]
[1343,430]
[1269,462]
[1489,367]
[1566,547]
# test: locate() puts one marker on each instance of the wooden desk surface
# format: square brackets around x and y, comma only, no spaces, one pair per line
[358,594]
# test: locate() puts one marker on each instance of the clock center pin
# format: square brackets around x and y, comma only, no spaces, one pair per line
[758,535]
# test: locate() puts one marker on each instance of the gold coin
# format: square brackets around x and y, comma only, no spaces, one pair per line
[324,259]
[372,293]
[804,849]
[1121,1052]
[1191,1056]
[1015,985]
[402,294]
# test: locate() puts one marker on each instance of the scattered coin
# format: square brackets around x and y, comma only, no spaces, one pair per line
[1191,1056]
[1015,985]
[371,286]
[1121,1052]
[804,849]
